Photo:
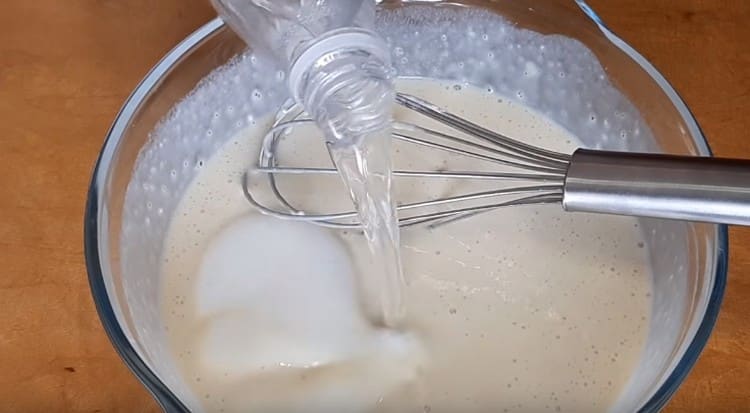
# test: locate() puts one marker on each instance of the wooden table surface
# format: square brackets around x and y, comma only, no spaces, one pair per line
[65,69]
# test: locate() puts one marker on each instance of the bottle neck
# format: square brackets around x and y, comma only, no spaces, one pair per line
[345,83]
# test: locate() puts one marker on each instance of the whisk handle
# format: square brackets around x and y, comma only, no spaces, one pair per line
[690,188]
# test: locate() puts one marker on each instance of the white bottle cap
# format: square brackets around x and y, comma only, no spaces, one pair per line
[354,39]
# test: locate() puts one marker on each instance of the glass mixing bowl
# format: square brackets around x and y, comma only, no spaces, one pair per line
[689,259]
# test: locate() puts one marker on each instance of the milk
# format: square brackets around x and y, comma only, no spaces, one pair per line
[519,309]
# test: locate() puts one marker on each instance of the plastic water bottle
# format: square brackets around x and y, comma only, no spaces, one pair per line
[336,66]
[339,70]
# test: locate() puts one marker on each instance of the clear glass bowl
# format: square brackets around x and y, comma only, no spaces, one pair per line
[690,260]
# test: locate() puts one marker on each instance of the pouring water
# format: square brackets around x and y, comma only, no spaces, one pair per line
[339,70]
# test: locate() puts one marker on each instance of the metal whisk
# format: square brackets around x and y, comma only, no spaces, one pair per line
[688,188]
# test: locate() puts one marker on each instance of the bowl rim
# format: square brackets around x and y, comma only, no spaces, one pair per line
[171,403]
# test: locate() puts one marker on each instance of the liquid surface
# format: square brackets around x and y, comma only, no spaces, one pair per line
[520,309]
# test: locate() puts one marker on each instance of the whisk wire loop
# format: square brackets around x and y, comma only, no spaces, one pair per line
[540,171]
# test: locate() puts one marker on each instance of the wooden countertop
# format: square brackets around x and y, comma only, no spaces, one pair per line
[67,66]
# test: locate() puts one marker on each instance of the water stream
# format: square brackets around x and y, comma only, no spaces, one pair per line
[365,167]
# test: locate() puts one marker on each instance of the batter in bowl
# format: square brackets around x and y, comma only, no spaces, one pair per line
[520,309]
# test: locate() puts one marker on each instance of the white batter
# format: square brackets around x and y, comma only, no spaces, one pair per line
[521,309]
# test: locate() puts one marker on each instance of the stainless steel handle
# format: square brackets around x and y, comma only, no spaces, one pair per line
[688,188]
